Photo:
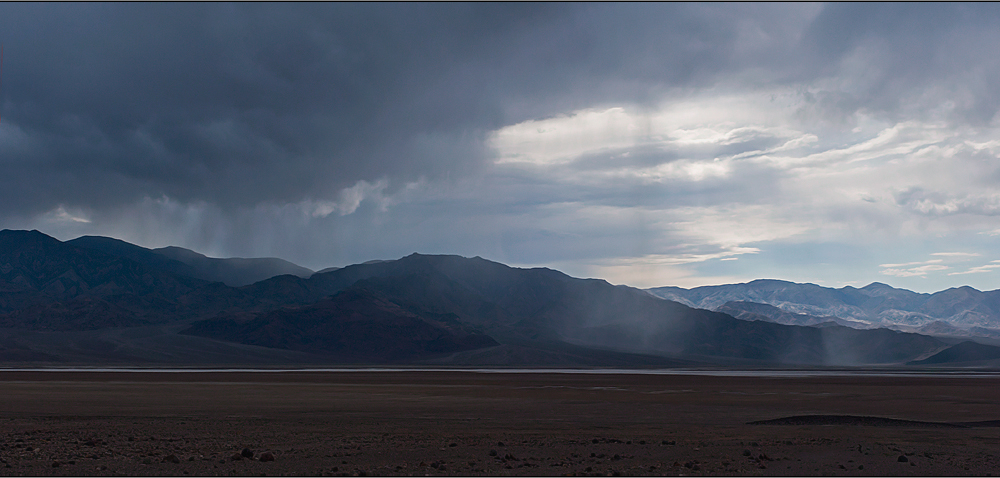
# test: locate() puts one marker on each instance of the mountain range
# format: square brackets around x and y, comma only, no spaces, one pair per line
[874,305]
[101,300]
[233,272]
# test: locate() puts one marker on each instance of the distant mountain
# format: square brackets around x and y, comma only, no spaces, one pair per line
[526,306]
[331,269]
[963,353]
[940,327]
[876,304]
[950,333]
[122,303]
[984,332]
[233,272]
[753,311]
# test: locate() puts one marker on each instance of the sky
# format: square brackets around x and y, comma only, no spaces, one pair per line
[645,144]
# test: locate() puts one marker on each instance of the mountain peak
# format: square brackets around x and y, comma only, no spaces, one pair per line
[769,281]
[965,289]
[180,253]
[877,286]
[14,237]
[23,233]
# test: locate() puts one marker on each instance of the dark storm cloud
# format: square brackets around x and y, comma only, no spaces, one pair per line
[329,134]
[238,104]
[217,102]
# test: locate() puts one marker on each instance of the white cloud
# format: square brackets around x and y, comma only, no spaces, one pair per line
[956,255]
[919,271]
[979,269]
[644,272]
[731,226]
[922,268]
[564,138]
[350,199]
[723,119]
[679,259]
[909,264]
[60,214]
[678,170]
[757,171]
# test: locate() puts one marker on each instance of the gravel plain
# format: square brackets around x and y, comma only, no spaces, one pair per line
[428,423]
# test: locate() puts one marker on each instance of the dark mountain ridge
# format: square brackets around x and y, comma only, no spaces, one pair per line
[417,309]
[542,304]
[50,285]
[352,326]
[234,272]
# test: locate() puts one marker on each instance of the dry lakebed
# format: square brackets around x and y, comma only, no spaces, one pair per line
[497,423]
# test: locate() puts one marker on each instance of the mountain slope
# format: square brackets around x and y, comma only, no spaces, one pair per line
[48,284]
[962,353]
[753,311]
[233,272]
[524,305]
[75,302]
[875,304]
[354,326]
[142,255]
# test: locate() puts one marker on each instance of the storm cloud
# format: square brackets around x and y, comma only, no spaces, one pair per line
[236,104]
[650,144]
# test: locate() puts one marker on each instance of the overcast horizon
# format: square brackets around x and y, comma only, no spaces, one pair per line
[645,144]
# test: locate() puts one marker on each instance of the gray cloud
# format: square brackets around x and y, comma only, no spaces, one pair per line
[335,133]
[892,53]
[235,104]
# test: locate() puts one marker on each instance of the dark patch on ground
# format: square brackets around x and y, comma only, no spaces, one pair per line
[852,420]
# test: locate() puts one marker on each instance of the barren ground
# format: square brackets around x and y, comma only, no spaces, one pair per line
[464,423]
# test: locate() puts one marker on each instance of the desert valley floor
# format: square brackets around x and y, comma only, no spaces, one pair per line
[473,423]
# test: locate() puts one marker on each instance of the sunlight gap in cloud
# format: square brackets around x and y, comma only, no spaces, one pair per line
[877,178]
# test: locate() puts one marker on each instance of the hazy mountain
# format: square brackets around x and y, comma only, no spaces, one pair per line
[964,352]
[233,272]
[952,334]
[876,303]
[984,332]
[940,327]
[535,305]
[77,303]
[753,311]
